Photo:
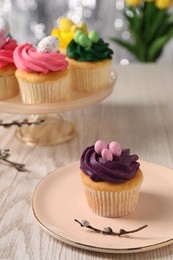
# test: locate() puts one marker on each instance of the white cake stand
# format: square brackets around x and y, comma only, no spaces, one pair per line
[55,129]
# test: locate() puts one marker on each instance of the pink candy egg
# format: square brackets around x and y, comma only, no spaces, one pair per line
[2,38]
[115,148]
[107,155]
[99,146]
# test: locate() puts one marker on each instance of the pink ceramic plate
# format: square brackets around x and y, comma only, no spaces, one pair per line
[59,199]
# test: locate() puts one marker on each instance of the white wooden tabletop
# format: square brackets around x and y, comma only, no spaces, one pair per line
[139,114]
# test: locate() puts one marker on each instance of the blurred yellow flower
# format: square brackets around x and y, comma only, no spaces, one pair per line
[133,2]
[150,23]
[163,4]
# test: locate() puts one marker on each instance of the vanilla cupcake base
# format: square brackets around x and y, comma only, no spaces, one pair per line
[112,200]
[8,83]
[62,51]
[89,76]
[8,87]
[38,88]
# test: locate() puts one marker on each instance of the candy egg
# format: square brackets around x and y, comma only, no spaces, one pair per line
[4,25]
[82,26]
[93,35]
[76,35]
[48,44]
[84,41]
[107,155]
[73,28]
[65,24]
[115,148]
[99,146]
[2,38]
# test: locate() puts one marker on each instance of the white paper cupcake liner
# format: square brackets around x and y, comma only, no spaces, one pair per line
[8,87]
[46,92]
[89,79]
[112,204]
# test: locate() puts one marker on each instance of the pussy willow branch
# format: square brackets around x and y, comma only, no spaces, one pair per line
[108,230]
[4,155]
[19,124]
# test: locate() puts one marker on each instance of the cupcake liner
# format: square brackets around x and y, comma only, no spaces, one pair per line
[112,204]
[42,92]
[89,79]
[8,87]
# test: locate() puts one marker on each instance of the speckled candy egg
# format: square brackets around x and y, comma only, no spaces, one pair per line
[48,44]
[2,38]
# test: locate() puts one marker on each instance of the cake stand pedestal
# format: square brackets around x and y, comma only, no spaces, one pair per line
[55,128]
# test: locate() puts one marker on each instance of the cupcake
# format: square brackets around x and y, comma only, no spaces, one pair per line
[65,31]
[8,83]
[90,60]
[112,179]
[42,72]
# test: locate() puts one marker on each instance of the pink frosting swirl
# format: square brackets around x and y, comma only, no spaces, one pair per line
[28,59]
[6,52]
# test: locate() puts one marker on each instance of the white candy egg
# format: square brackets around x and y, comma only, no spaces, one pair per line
[4,25]
[48,44]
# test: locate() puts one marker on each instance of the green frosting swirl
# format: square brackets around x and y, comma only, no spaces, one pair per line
[97,52]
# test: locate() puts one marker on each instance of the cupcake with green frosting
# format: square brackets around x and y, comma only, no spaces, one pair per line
[90,60]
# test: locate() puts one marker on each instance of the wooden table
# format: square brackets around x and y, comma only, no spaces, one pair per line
[139,114]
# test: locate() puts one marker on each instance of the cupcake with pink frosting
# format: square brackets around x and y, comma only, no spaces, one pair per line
[8,83]
[42,72]
[112,179]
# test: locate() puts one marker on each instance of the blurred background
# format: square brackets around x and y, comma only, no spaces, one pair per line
[31,20]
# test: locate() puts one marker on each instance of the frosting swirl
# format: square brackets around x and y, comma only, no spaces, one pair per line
[120,169]
[6,52]
[28,59]
[97,52]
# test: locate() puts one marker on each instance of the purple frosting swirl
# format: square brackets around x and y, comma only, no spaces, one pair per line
[121,168]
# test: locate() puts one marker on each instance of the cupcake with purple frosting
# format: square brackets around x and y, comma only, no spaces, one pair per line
[112,179]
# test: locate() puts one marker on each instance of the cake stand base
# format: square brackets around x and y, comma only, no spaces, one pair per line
[54,130]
